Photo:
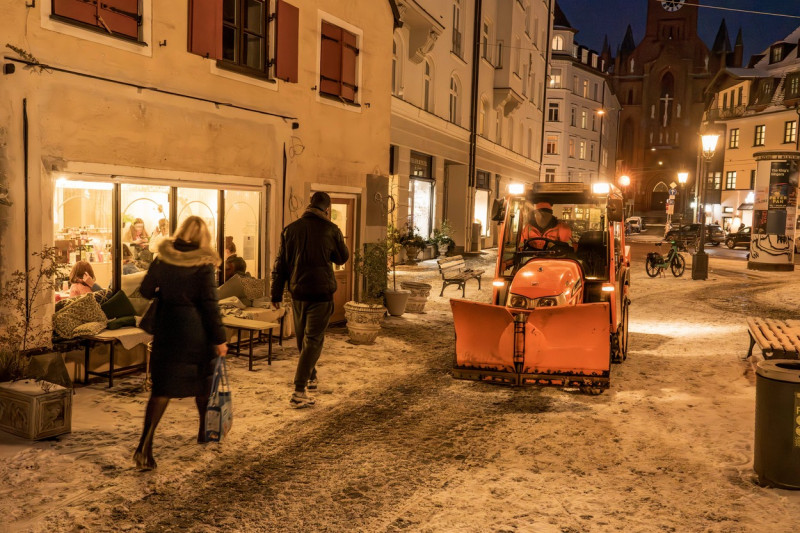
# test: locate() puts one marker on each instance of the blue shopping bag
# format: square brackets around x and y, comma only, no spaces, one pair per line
[219,416]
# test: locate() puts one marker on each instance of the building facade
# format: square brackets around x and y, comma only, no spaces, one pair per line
[661,84]
[468,90]
[755,111]
[581,114]
[118,115]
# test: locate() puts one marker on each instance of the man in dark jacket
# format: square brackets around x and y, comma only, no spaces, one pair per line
[308,247]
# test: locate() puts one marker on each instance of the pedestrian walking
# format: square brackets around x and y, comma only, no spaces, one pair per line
[188,332]
[308,247]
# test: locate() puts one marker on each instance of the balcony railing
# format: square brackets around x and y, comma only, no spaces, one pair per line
[716,113]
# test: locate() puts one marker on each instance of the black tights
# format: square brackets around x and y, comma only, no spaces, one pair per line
[152,416]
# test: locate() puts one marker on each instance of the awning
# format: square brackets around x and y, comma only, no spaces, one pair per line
[745,207]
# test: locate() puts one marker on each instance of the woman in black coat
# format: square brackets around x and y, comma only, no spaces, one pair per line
[188,333]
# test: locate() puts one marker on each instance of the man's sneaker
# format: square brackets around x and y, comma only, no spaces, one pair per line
[300,400]
[312,384]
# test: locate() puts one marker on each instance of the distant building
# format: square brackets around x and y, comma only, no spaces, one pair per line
[755,109]
[661,84]
[582,111]
[455,149]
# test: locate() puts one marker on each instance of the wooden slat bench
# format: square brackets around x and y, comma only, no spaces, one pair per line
[777,339]
[454,271]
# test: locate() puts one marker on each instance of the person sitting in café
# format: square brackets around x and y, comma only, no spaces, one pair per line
[128,265]
[159,234]
[82,279]
[543,224]
[137,238]
[233,263]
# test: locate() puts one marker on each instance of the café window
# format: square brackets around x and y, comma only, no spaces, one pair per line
[420,193]
[482,198]
[120,18]
[85,214]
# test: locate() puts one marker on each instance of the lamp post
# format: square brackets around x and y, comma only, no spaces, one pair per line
[683,177]
[601,113]
[700,258]
[624,181]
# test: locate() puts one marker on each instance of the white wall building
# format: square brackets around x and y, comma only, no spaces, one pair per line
[755,109]
[434,62]
[582,112]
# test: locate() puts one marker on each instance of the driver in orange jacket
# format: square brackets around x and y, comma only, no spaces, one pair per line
[542,223]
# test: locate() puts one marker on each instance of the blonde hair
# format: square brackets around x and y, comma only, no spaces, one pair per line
[194,230]
[132,229]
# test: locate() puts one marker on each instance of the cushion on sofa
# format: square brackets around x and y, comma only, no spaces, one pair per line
[118,306]
[122,322]
[82,310]
[254,288]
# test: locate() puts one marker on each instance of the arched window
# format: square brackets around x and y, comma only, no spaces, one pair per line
[558,42]
[427,86]
[483,115]
[632,65]
[667,98]
[661,187]
[498,132]
[511,133]
[454,103]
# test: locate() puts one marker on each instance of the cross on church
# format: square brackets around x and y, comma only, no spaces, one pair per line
[666,100]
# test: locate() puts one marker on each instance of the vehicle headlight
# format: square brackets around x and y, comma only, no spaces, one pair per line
[546,302]
[520,302]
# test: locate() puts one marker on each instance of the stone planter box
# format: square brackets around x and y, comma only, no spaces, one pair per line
[28,411]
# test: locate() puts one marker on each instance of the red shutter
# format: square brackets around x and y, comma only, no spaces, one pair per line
[286,41]
[121,16]
[349,59]
[77,10]
[205,28]
[330,67]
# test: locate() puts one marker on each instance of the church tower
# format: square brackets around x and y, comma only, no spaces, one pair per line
[660,83]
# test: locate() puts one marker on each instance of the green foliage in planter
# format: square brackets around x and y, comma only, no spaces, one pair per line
[18,313]
[372,267]
[410,238]
[443,235]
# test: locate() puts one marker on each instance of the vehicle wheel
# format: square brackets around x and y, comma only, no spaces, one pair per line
[715,243]
[652,268]
[678,266]
[730,243]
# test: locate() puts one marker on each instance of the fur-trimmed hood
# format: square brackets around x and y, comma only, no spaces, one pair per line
[186,256]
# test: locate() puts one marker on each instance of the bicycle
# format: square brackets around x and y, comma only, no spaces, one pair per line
[656,263]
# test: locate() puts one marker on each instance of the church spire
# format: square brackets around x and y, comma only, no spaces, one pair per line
[738,51]
[628,44]
[722,43]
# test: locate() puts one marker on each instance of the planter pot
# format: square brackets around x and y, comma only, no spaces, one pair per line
[411,253]
[28,411]
[443,249]
[363,321]
[396,301]
[419,295]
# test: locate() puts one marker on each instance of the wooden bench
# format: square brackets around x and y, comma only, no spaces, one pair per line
[251,326]
[454,272]
[777,339]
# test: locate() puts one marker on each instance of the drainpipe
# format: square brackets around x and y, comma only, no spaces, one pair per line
[473,116]
[547,58]
[25,148]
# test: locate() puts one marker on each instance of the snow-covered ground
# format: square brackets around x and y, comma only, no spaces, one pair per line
[396,444]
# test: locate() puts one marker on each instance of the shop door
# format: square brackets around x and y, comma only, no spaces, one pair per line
[343,215]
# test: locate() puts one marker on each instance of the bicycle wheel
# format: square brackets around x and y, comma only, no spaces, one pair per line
[678,265]
[652,268]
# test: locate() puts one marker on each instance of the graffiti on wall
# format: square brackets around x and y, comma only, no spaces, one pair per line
[771,248]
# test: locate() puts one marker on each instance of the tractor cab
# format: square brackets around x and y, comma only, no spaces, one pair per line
[560,293]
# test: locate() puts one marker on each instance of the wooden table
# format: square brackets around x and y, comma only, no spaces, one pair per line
[111,338]
[240,324]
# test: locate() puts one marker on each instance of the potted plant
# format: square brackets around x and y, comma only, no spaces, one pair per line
[412,242]
[396,300]
[364,315]
[30,408]
[442,237]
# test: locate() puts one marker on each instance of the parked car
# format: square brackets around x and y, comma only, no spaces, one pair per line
[738,238]
[691,232]
[636,224]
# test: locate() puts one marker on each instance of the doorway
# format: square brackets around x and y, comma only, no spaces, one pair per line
[343,215]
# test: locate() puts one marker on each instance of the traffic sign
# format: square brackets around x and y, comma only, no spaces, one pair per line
[670,209]
[670,201]
[673,192]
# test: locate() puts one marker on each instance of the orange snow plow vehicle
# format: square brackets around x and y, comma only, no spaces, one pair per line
[559,308]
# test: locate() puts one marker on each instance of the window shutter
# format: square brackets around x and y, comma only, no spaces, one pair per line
[286,41]
[205,28]
[120,16]
[330,67]
[349,59]
[77,10]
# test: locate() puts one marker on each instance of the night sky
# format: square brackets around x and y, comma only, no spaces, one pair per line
[597,18]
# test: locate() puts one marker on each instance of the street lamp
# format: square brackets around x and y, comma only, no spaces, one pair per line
[683,177]
[700,259]
[624,181]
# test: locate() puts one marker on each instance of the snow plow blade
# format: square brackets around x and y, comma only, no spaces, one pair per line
[567,345]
